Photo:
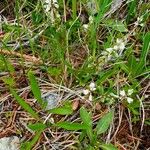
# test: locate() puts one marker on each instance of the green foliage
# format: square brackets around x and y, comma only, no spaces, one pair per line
[116,25]
[63,110]
[37,126]
[58,44]
[30,144]
[54,71]
[35,89]
[87,120]
[104,123]
[144,54]
[71,126]
[24,104]
[37,18]
[108,147]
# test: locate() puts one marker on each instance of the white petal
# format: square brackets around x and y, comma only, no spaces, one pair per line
[109,49]
[90,97]
[92,86]
[86,92]
[119,41]
[129,100]
[109,57]
[90,19]
[116,47]
[122,46]
[122,93]
[130,91]
[85,26]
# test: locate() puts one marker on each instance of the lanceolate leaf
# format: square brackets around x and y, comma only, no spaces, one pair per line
[30,144]
[71,126]
[86,117]
[35,88]
[144,53]
[104,123]
[87,120]
[37,126]
[64,110]
[24,105]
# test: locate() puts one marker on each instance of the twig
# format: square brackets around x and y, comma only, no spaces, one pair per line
[24,56]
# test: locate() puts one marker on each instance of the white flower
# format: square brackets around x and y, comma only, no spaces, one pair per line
[129,100]
[130,92]
[109,50]
[92,86]
[122,93]
[86,92]
[51,9]
[90,19]
[85,26]
[122,46]
[51,120]
[90,97]
[118,41]
[116,47]
[140,19]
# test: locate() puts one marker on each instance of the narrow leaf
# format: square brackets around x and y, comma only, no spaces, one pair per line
[64,110]
[116,25]
[71,126]
[87,120]
[35,88]
[104,123]
[144,54]
[30,144]
[24,105]
[37,126]
[86,117]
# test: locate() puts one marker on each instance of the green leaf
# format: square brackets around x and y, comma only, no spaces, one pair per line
[116,25]
[30,144]
[24,105]
[64,110]
[35,89]
[8,80]
[86,117]
[54,71]
[144,54]
[108,147]
[106,75]
[87,120]
[36,18]
[104,123]
[37,126]
[71,126]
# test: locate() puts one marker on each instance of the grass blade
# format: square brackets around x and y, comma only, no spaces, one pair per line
[24,105]
[143,57]
[35,88]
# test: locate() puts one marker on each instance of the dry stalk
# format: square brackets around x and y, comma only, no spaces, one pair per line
[33,59]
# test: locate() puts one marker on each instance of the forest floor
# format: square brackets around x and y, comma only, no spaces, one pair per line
[75,74]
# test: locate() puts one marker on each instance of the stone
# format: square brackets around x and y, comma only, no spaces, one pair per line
[52,100]
[9,143]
